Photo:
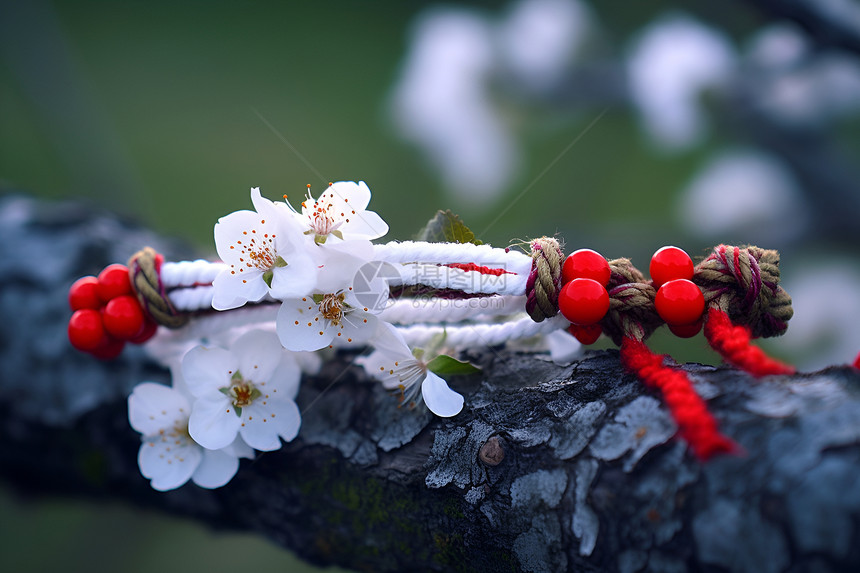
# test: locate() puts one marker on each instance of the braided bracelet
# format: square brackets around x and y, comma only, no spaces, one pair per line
[238,333]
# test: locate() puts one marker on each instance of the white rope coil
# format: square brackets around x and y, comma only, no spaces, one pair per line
[433,309]
[481,334]
[190,273]
[192,298]
[483,255]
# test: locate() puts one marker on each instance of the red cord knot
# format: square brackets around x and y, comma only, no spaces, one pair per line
[144,269]
[631,303]
[744,283]
[544,282]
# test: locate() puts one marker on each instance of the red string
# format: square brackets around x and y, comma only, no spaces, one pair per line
[733,344]
[695,423]
[480,269]
[857,361]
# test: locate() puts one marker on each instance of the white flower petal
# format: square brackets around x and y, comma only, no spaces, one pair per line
[355,329]
[216,469]
[563,348]
[297,278]
[207,369]
[339,263]
[301,327]
[441,400]
[287,375]
[262,205]
[233,290]
[267,419]
[389,340]
[153,407]
[166,463]
[350,194]
[213,423]
[365,225]
[258,353]
[309,362]
[239,449]
[228,229]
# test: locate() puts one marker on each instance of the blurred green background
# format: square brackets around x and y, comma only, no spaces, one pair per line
[171,111]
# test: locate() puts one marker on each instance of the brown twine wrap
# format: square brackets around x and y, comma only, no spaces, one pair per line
[744,283]
[631,303]
[544,282]
[143,270]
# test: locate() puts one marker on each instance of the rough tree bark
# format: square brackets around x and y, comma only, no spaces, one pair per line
[548,467]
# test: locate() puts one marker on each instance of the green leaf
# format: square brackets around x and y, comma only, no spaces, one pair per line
[238,410]
[446,227]
[226,392]
[445,365]
[418,353]
[236,377]
[280,262]
[267,278]
[436,343]
[337,233]
[318,298]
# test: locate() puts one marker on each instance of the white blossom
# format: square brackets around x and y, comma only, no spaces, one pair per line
[340,311]
[168,456]
[340,214]
[265,253]
[247,390]
[394,364]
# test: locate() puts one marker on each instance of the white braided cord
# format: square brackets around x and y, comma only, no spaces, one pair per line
[190,273]
[434,309]
[481,334]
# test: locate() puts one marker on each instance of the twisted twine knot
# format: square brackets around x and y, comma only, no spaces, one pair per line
[631,303]
[143,269]
[544,282]
[744,283]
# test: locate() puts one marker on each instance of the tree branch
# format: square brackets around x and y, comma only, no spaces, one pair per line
[547,468]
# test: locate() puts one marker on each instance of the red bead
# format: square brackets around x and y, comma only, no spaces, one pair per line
[586,334]
[686,330]
[113,282]
[86,331]
[123,317]
[585,264]
[84,294]
[670,263]
[680,302]
[149,329]
[583,301]
[109,349]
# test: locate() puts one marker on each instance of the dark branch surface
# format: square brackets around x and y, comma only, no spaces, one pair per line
[587,476]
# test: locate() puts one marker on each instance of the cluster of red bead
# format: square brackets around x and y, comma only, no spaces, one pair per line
[583,299]
[106,314]
[679,301]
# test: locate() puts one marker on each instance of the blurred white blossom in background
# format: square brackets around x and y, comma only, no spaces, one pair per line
[744,193]
[447,97]
[798,84]
[823,331]
[671,64]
